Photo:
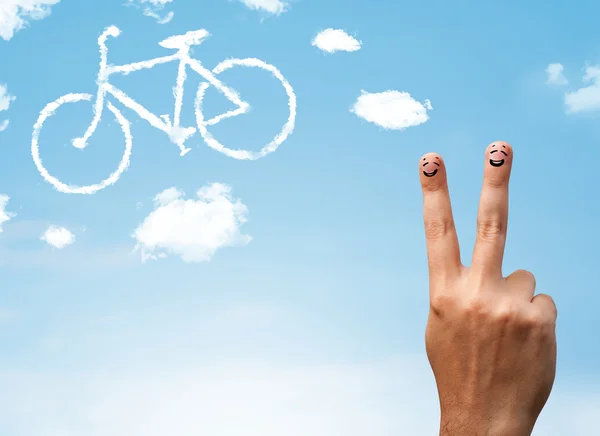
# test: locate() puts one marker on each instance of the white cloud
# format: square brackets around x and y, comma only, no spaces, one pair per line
[192,229]
[275,7]
[14,14]
[168,196]
[151,8]
[58,237]
[587,98]
[164,20]
[5,216]
[391,109]
[5,100]
[555,75]
[388,397]
[332,40]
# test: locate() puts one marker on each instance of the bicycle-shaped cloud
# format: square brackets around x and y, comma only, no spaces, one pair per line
[177,133]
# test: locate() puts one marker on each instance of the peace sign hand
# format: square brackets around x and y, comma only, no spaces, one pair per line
[491,343]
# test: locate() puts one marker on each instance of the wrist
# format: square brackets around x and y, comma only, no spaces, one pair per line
[465,423]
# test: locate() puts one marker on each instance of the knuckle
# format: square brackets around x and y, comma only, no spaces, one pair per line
[497,181]
[548,298]
[508,313]
[531,319]
[500,312]
[537,323]
[490,228]
[441,303]
[438,228]
[476,307]
[525,274]
[433,186]
[548,307]
[525,277]
[531,278]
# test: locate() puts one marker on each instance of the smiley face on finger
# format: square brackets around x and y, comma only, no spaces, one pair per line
[430,166]
[498,155]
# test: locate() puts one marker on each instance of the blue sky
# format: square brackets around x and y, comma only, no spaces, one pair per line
[312,321]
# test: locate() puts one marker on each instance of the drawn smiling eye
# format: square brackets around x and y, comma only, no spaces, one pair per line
[497,156]
[430,168]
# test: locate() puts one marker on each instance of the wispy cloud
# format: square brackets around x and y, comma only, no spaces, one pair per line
[192,229]
[58,237]
[15,14]
[391,109]
[152,8]
[555,75]
[587,98]
[332,40]
[274,7]
[5,216]
[5,100]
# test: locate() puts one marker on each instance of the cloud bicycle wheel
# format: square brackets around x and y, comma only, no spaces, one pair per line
[239,153]
[49,111]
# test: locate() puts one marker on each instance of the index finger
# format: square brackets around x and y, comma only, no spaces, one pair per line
[443,252]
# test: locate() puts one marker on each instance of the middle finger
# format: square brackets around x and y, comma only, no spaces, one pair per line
[492,217]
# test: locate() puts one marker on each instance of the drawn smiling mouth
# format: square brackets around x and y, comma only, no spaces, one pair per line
[497,162]
[430,173]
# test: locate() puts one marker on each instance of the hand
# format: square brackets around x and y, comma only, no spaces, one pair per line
[491,343]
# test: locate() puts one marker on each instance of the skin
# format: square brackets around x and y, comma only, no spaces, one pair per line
[490,341]
[430,166]
[498,154]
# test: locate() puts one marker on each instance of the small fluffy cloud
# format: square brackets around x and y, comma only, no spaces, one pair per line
[587,98]
[5,216]
[391,109]
[58,237]
[332,40]
[274,7]
[152,8]
[15,14]
[555,75]
[192,229]
[5,100]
